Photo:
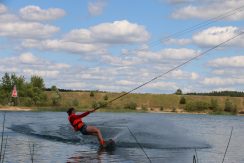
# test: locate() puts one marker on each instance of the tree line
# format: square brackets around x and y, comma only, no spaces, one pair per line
[212,105]
[213,93]
[30,93]
[220,93]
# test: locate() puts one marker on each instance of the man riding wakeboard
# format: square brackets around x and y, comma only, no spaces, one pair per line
[78,125]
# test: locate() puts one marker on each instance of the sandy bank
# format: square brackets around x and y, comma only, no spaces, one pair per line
[12,108]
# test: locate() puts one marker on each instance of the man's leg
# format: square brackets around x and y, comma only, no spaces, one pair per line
[95,131]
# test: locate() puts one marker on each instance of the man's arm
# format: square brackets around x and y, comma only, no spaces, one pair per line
[83,114]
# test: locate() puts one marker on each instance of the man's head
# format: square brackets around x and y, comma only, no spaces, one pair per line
[70,111]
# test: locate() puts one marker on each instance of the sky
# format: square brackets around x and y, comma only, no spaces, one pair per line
[112,45]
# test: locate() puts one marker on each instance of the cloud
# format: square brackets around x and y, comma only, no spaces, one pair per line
[117,32]
[181,42]
[194,76]
[35,13]
[216,35]
[28,58]
[224,89]
[3,8]
[173,54]
[228,62]
[94,39]
[212,9]
[179,1]
[61,45]
[26,30]
[11,25]
[217,81]
[162,85]
[43,73]
[179,74]
[4,18]
[230,72]
[120,61]
[96,8]
[125,82]
[28,64]
[75,85]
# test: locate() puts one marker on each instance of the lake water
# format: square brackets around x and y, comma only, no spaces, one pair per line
[169,138]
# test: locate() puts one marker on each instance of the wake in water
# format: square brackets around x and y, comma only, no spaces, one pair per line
[153,135]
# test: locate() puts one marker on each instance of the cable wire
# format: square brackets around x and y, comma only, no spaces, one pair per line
[139,144]
[194,27]
[170,70]
[227,145]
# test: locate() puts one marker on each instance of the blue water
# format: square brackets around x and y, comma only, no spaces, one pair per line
[169,138]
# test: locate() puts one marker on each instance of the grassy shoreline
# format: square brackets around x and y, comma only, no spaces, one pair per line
[151,103]
[64,109]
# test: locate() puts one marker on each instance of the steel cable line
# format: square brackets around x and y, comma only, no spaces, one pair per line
[139,145]
[170,70]
[227,144]
[205,23]
[193,28]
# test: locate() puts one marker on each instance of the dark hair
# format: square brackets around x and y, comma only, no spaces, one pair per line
[70,110]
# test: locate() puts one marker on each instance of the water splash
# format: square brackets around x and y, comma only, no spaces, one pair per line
[160,134]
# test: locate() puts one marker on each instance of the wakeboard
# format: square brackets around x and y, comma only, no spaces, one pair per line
[109,145]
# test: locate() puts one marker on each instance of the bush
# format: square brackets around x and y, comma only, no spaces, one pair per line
[182,100]
[161,108]
[56,101]
[99,104]
[214,105]
[102,104]
[105,97]
[197,106]
[144,108]
[94,104]
[92,94]
[235,110]
[230,107]
[26,101]
[75,102]
[130,105]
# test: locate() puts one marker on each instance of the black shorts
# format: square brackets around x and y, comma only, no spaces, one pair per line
[83,130]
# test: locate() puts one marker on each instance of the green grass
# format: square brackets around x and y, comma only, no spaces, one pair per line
[221,113]
[83,101]
[167,101]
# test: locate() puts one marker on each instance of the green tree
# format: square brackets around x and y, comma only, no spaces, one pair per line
[75,102]
[230,107]
[182,100]
[38,82]
[197,106]
[105,97]
[37,85]
[5,89]
[214,105]
[178,92]
[56,96]
[7,83]
[131,105]
[54,88]
[92,94]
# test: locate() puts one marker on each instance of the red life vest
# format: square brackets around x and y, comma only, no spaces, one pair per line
[75,122]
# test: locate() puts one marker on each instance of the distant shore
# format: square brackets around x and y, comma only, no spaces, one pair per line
[13,108]
[51,109]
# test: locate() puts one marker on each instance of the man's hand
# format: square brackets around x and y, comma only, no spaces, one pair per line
[91,111]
